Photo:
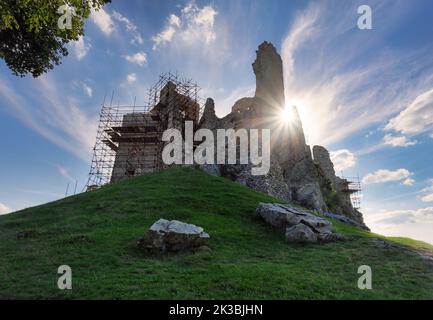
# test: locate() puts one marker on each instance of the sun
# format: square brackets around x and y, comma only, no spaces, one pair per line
[286,115]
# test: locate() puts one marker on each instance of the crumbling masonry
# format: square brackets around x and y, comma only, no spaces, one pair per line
[129,139]
[134,144]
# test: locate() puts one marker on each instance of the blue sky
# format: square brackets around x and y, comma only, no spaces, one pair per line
[367,95]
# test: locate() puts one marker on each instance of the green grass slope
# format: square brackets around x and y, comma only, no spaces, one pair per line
[95,233]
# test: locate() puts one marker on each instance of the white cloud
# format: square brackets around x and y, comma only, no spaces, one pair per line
[87,90]
[398,141]
[174,20]
[416,118]
[194,26]
[103,20]
[164,36]
[303,28]
[4,209]
[412,223]
[343,159]
[80,48]
[138,39]
[409,182]
[427,193]
[131,78]
[383,175]
[427,198]
[129,27]
[139,58]
[128,24]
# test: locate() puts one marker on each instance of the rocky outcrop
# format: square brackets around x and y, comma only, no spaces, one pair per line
[173,236]
[299,225]
[341,187]
[323,160]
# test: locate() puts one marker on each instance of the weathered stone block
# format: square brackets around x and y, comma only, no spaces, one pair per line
[173,236]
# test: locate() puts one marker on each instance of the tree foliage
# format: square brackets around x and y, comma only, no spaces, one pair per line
[30,38]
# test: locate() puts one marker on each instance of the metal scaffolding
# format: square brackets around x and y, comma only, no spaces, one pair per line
[129,138]
[354,188]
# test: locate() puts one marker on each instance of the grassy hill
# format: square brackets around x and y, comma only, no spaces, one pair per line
[95,233]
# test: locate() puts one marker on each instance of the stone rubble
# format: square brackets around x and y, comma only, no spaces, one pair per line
[299,225]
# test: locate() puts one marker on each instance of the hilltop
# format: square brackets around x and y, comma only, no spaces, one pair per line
[96,232]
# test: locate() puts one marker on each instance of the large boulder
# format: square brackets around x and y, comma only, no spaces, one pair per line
[299,224]
[173,236]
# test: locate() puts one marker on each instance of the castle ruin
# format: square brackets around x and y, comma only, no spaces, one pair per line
[129,142]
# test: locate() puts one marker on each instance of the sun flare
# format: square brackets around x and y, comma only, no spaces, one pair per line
[287,115]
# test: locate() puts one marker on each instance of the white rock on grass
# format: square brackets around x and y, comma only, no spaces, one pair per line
[299,224]
[173,236]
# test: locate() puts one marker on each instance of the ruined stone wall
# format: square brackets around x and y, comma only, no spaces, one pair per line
[137,146]
[268,68]
[139,139]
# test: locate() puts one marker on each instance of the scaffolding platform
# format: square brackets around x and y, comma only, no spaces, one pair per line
[353,187]
[129,138]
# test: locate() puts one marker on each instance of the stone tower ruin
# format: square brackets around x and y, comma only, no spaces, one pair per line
[129,140]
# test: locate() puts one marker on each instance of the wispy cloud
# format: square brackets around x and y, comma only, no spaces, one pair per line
[80,48]
[4,209]
[167,34]
[103,21]
[398,141]
[302,30]
[343,159]
[384,175]
[416,118]
[129,27]
[87,90]
[131,78]
[415,223]
[194,26]
[64,172]
[332,86]
[128,24]
[139,58]
[427,193]
[56,117]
